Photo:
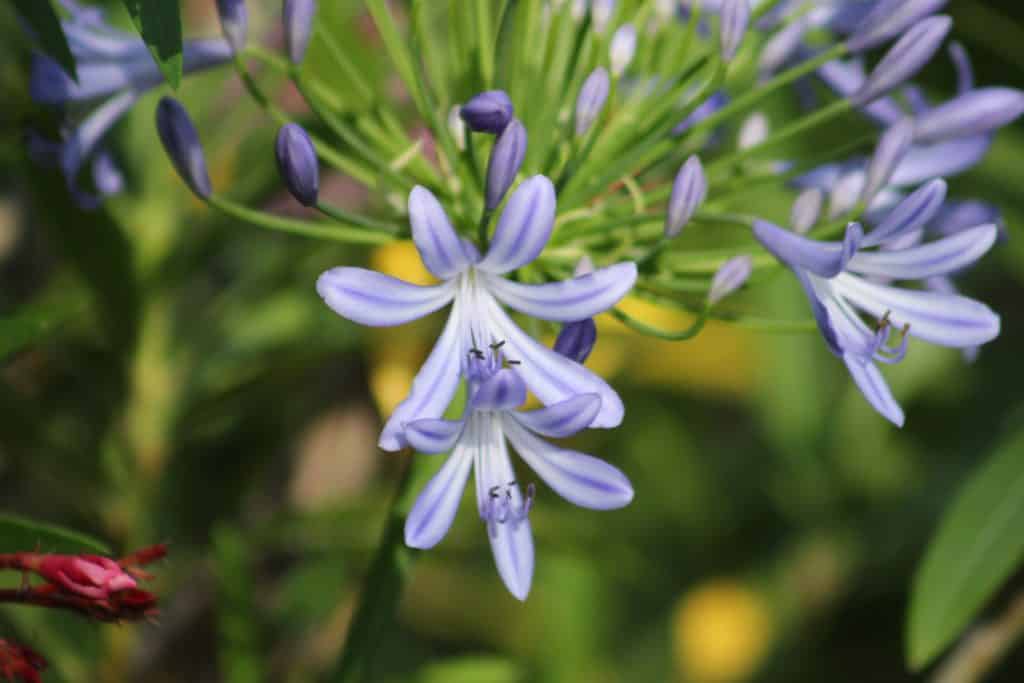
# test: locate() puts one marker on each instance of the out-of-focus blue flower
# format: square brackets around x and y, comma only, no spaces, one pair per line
[234,22]
[848,279]
[476,288]
[297,163]
[115,67]
[298,16]
[591,99]
[478,442]
[735,18]
[904,59]
[622,49]
[732,275]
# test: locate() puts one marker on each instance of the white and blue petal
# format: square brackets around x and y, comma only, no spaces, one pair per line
[524,227]
[568,300]
[434,510]
[941,319]
[549,375]
[579,478]
[874,388]
[440,247]
[433,387]
[825,259]
[371,298]
[561,419]
[433,435]
[941,257]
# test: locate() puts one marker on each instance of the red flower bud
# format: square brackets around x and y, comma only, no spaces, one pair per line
[89,576]
[20,663]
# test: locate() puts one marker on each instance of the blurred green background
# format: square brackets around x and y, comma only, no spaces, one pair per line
[195,390]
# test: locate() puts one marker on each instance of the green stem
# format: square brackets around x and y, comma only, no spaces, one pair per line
[652,331]
[386,577]
[364,93]
[345,216]
[349,234]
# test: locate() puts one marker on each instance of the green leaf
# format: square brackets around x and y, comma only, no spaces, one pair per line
[35,321]
[159,23]
[978,546]
[21,534]
[41,16]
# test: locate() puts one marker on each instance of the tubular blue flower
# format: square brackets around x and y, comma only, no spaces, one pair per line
[504,163]
[622,49]
[842,281]
[111,64]
[488,112]
[234,22]
[297,17]
[732,275]
[689,189]
[591,99]
[474,286]
[888,19]
[905,58]
[735,16]
[297,163]
[181,142]
[478,442]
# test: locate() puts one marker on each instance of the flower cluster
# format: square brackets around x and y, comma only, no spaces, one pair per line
[613,132]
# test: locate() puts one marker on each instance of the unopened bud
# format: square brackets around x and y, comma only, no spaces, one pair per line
[298,27]
[181,142]
[506,159]
[591,100]
[234,22]
[297,163]
[732,275]
[488,112]
[689,189]
[904,59]
[622,49]
[735,16]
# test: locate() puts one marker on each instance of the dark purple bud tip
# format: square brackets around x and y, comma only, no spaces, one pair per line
[296,160]
[576,340]
[298,27]
[234,22]
[181,141]
[488,112]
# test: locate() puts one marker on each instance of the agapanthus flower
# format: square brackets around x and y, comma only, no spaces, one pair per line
[476,288]
[478,442]
[858,276]
[114,67]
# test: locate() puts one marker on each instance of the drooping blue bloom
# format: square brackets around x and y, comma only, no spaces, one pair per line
[297,163]
[478,442]
[113,66]
[476,288]
[847,280]
[488,112]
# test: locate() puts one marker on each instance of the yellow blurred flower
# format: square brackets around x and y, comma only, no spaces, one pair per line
[722,630]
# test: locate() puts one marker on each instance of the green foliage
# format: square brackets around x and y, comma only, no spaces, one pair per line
[22,534]
[979,544]
[43,19]
[159,24]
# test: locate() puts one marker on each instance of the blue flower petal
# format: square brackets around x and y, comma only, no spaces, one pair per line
[371,298]
[439,246]
[935,258]
[874,388]
[524,227]
[561,419]
[435,508]
[825,259]
[568,300]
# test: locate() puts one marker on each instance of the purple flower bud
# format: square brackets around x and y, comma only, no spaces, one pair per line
[234,22]
[783,45]
[296,161]
[506,158]
[488,112]
[591,99]
[298,27]
[106,176]
[622,49]
[892,147]
[735,16]
[689,190]
[973,113]
[181,141]
[904,59]
[846,191]
[576,340]
[889,19]
[732,275]
[806,210]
